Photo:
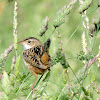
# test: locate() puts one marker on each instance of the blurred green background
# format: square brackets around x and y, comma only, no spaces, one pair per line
[30,16]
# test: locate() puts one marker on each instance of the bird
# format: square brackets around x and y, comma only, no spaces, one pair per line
[36,56]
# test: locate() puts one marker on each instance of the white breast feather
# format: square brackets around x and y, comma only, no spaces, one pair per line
[25,46]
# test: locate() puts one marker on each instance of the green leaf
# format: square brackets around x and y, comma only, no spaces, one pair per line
[47,76]
[64,76]
[3,96]
[6,83]
[93,77]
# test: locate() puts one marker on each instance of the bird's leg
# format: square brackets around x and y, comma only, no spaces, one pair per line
[36,77]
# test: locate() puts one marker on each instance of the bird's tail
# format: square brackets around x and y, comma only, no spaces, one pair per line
[46,45]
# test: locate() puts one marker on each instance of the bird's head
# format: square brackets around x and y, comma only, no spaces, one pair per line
[30,43]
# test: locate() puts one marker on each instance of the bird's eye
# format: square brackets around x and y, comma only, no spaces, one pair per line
[29,41]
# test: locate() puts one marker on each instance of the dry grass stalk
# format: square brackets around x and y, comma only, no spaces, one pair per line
[4,55]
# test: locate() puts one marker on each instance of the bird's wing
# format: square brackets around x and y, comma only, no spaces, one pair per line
[32,56]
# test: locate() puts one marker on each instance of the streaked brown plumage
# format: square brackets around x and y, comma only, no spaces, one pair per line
[36,56]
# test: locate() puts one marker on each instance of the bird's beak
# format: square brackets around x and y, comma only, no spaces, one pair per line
[21,42]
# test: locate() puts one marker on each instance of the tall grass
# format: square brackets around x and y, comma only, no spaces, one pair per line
[14,83]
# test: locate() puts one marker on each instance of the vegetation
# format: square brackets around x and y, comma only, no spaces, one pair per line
[75,49]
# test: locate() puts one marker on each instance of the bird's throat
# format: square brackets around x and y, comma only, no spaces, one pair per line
[25,47]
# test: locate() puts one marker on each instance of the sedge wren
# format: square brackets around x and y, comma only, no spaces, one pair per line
[36,56]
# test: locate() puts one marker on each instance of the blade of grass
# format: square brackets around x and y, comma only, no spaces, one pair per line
[78,27]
